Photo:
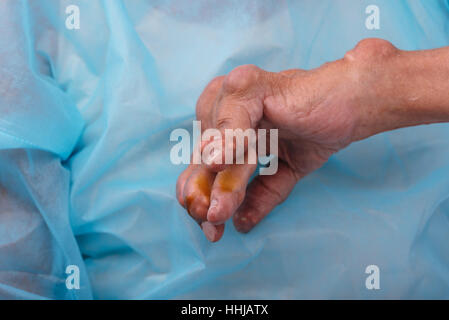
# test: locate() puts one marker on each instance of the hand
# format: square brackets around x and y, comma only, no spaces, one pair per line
[317,112]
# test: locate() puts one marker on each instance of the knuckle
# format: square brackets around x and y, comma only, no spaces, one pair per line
[241,78]
[371,48]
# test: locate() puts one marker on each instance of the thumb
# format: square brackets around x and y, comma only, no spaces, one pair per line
[239,106]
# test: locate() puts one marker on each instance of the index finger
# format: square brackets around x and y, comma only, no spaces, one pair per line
[239,107]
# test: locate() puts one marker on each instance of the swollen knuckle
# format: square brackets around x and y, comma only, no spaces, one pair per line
[371,48]
[240,79]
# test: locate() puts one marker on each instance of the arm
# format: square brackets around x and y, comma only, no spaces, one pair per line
[374,88]
[400,88]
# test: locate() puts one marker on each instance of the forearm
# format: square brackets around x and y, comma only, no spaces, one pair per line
[403,88]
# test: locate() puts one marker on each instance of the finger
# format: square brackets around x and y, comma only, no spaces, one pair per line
[196,192]
[203,113]
[238,106]
[180,183]
[228,191]
[263,195]
[196,199]
[212,232]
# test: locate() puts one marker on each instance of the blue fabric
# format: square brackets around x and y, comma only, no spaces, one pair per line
[86,179]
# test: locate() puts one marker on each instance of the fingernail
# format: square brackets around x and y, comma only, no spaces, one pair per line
[215,156]
[209,230]
[213,210]
[213,203]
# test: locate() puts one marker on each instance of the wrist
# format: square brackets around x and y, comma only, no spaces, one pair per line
[374,102]
[398,88]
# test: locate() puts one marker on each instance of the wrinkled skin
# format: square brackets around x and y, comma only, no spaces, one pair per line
[317,112]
